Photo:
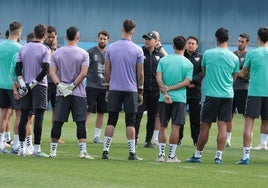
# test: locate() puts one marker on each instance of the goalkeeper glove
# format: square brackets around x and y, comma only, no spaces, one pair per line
[63,88]
[140,99]
[22,91]
[33,84]
[71,86]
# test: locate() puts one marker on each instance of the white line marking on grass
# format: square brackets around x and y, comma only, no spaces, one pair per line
[189,167]
[155,163]
[227,172]
[262,176]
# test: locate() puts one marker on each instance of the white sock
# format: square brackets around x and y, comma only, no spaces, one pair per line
[172,150]
[37,148]
[264,138]
[131,146]
[198,153]
[97,132]
[22,143]
[2,140]
[16,141]
[246,153]
[229,136]
[107,142]
[162,147]
[155,135]
[7,136]
[218,154]
[53,146]
[29,140]
[83,147]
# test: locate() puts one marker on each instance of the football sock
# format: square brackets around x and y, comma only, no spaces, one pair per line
[229,136]
[37,148]
[53,146]
[1,140]
[172,150]
[218,154]
[7,136]
[264,138]
[198,153]
[107,143]
[155,135]
[97,132]
[161,147]
[131,145]
[16,141]
[246,153]
[83,147]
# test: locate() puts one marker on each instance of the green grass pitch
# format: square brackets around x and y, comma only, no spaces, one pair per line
[67,170]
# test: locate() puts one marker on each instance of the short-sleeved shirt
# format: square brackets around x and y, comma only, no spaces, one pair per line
[220,65]
[32,56]
[124,56]
[175,68]
[69,60]
[12,71]
[240,83]
[95,75]
[257,63]
[8,50]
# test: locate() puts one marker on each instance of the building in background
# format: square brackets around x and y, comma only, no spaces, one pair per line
[172,17]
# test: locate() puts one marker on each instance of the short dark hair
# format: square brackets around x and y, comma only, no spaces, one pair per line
[71,33]
[7,34]
[179,42]
[105,33]
[128,25]
[40,31]
[193,37]
[14,28]
[51,29]
[263,34]
[30,37]
[222,35]
[244,35]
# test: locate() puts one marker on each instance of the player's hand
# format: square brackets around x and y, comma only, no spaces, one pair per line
[63,88]
[168,99]
[22,91]
[71,86]
[106,96]
[33,84]
[140,99]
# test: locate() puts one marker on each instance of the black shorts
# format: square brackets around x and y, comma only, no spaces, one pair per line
[239,102]
[35,99]
[51,94]
[96,100]
[16,104]
[256,106]
[176,111]
[65,105]
[214,108]
[150,103]
[6,98]
[118,98]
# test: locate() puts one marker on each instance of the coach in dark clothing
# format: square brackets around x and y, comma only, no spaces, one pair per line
[151,90]
[194,89]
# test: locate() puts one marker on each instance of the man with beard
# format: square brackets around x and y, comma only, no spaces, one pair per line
[52,44]
[95,88]
[240,84]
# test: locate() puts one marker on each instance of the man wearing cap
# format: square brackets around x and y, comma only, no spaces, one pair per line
[151,89]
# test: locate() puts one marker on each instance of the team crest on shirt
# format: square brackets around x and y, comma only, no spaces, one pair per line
[242,59]
[157,57]
[144,57]
[197,59]
[95,57]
